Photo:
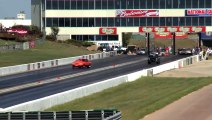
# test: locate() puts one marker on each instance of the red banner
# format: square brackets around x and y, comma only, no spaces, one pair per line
[168,35]
[107,31]
[185,29]
[137,13]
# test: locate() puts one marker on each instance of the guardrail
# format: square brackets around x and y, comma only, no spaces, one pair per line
[52,63]
[60,98]
[68,115]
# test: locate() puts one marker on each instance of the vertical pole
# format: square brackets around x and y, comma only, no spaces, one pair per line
[148,43]
[200,38]
[174,37]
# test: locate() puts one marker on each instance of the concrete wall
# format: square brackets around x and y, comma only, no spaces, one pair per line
[60,98]
[36,12]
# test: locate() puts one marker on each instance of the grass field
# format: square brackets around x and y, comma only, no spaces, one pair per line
[46,51]
[138,98]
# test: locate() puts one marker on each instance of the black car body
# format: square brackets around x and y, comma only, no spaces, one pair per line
[185,51]
[154,57]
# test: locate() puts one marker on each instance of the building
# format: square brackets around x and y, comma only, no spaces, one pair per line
[8,22]
[103,21]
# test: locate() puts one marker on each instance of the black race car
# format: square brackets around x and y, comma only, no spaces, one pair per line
[153,57]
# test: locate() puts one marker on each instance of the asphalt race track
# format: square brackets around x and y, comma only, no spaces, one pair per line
[17,97]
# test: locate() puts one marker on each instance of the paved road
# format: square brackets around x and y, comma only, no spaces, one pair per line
[29,94]
[195,106]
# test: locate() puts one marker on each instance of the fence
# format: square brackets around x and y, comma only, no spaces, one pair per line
[68,115]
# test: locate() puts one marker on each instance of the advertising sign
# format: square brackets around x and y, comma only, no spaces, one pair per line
[168,35]
[198,12]
[137,13]
[206,35]
[185,29]
[19,31]
[107,31]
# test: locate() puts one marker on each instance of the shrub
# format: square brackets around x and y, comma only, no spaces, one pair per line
[79,43]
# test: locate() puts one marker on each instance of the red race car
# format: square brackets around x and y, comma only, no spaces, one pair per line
[81,63]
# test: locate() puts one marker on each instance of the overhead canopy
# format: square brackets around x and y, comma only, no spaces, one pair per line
[206,35]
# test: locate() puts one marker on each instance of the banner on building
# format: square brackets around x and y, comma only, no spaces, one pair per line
[137,13]
[206,35]
[198,12]
[185,29]
[107,31]
[168,35]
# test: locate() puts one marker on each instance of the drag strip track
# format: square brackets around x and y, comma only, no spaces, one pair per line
[25,95]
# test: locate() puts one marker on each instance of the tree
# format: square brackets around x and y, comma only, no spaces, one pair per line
[55,31]
[126,38]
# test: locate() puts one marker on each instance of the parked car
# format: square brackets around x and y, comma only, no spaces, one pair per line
[185,51]
[81,63]
[154,57]
[142,51]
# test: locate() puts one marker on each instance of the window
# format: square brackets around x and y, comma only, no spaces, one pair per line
[123,22]
[123,4]
[79,4]
[162,21]
[112,37]
[130,22]
[181,3]
[168,3]
[73,4]
[61,4]
[208,21]
[136,4]
[48,4]
[195,21]
[162,4]
[104,38]
[91,22]
[98,4]
[67,4]
[142,21]
[202,3]
[176,3]
[130,4]
[48,22]
[156,4]
[67,22]
[104,22]
[201,21]
[117,22]
[61,22]
[155,21]
[188,3]
[91,4]
[111,4]
[168,21]
[136,22]
[143,4]
[175,21]
[98,22]
[117,4]
[104,4]
[85,22]
[55,4]
[149,23]
[85,4]
[181,21]
[73,22]
[55,22]
[149,4]
[195,3]
[188,21]
[208,4]
[110,22]
[79,22]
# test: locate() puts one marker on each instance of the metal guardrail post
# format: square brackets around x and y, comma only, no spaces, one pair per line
[86,115]
[39,116]
[24,116]
[102,113]
[54,116]
[70,115]
[9,116]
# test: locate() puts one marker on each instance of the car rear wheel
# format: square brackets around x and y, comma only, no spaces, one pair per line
[88,66]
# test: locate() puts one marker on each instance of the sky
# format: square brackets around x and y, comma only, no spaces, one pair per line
[10,8]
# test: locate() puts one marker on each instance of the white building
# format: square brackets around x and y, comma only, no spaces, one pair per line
[105,21]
